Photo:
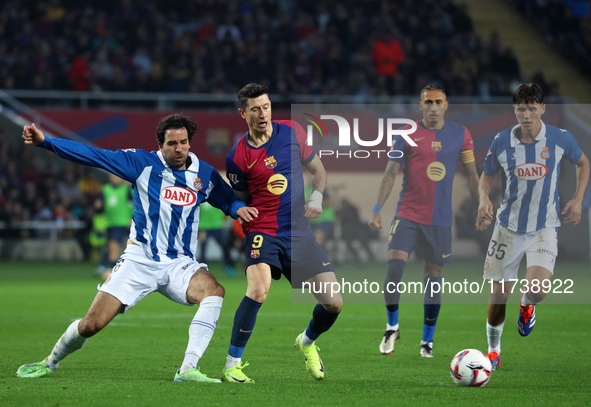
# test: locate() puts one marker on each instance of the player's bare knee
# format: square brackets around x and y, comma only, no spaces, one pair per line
[257,292]
[203,284]
[536,298]
[217,290]
[89,327]
[333,308]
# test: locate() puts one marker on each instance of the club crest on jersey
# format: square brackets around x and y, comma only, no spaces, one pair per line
[436,145]
[531,171]
[545,154]
[277,184]
[270,162]
[178,196]
[198,184]
[255,254]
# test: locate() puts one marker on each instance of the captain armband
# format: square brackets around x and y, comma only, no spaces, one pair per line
[467,156]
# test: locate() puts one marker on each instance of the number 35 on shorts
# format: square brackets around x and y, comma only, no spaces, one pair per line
[496,249]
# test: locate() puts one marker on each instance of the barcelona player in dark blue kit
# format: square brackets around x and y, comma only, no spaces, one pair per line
[424,216]
[265,169]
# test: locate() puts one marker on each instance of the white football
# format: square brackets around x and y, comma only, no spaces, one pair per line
[470,367]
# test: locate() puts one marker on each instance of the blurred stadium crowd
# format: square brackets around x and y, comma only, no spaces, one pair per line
[566,24]
[332,47]
[44,189]
[344,47]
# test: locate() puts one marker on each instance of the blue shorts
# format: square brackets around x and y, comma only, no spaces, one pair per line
[297,258]
[118,233]
[326,227]
[433,243]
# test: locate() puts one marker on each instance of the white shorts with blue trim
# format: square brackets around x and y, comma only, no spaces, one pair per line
[507,248]
[135,276]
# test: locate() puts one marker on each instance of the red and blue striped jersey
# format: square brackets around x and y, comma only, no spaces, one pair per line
[429,171]
[272,176]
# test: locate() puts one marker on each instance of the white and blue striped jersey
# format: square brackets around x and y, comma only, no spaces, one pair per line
[165,217]
[530,176]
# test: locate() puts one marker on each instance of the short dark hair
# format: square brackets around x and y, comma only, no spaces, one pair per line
[176,121]
[250,91]
[530,93]
[432,86]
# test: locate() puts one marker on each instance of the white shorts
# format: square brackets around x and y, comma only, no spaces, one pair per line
[507,248]
[135,276]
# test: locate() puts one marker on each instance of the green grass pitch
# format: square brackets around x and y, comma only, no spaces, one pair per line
[132,362]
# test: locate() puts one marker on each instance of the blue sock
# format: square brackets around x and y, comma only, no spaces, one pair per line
[431,307]
[428,332]
[244,321]
[321,322]
[394,273]
[392,315]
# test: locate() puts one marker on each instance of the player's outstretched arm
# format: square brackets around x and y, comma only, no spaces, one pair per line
[314,203]
[32,135]
[574,207]
[473,180]
[485,206]
[383,193]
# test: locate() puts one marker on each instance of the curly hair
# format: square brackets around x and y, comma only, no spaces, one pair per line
[176,121]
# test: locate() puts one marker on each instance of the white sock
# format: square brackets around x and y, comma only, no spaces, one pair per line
[231,362]
[493,336]
[307,341]
[392,327]
[69,342]
[525,300]
[201,330]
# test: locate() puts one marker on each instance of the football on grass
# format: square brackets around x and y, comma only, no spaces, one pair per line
[470,367]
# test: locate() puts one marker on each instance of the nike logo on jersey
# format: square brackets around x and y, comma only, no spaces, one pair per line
[325,264]
[419,139]
[253,163]
[445,256]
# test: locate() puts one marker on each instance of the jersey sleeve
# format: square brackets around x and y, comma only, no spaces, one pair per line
[572,151]
[306,151]
[234,173]
[467,150]
[399,144]
[126,164]
[223,197]
[491,164]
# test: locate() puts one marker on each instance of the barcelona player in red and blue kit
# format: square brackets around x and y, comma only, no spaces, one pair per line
[424,215]
[265,169]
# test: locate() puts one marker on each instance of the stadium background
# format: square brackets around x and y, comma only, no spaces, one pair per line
[105,71]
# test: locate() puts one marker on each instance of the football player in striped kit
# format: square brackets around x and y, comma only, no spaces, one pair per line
[529,156]
[169,184]
[424,215]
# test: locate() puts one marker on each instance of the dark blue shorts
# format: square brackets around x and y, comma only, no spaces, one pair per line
[297,258]
[432,243]
[326,227]
[118,233]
